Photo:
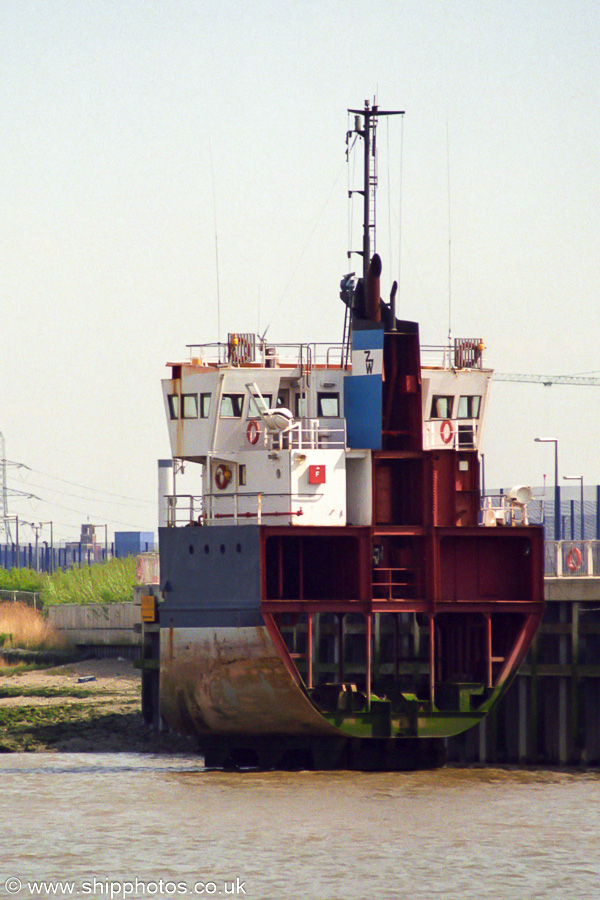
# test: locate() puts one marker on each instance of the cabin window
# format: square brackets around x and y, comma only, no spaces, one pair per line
[241,476]
[301,406]
[205,405]
[328,405]
[232,406]
[189,406]
[466,436]
[468,407]
[441,407]
[255,405]
[283,399]
[173,401]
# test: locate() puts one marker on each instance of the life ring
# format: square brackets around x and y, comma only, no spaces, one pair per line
[446,431]
[574,559]
[253,431]
[222,476]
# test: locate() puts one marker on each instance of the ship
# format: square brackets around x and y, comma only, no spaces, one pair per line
[336,596]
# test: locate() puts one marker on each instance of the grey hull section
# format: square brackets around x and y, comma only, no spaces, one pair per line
[232,681]
[220,672]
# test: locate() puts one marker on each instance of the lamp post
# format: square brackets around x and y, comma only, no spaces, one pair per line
[105,539]
[557,529]
[578,478]
[50,559]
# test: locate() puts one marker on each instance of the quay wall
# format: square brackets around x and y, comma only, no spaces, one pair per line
[549,716]
[551,713]
[112,629]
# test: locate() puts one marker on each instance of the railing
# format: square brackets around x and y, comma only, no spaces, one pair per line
[498,509]
[147,568]
[450,434]
[572,559]
[238,508]
[307,434]
[464,353]
[396,583]
[248,350]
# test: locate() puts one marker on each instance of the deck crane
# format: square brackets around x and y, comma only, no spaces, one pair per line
[549,380]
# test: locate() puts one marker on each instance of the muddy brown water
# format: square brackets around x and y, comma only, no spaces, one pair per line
[129,825]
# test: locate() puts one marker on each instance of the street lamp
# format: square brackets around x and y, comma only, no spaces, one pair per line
[578,478]
[105,539]
[557,530]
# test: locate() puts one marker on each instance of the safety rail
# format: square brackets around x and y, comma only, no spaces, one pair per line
[238,508]
[396,583]
[463,353]
[572,559]
[246,349]
[498,509]
[450,434]
[306,434]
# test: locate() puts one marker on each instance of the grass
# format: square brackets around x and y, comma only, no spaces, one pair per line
[24,627]
[108,582]
[79,693]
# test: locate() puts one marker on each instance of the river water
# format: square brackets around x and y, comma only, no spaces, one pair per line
[130,825]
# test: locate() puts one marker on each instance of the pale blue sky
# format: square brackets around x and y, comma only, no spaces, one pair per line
[111,112]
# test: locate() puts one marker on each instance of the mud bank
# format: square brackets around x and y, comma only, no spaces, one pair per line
[87,706]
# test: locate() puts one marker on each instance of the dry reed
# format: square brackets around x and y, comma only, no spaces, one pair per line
[23,627]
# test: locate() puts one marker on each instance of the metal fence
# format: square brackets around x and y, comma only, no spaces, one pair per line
[568,559]
[46,558]
[577,522]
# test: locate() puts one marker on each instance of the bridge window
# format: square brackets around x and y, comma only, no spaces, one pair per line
[232,406]
[255,405]
[301,405]
[173,401]
[189,406]
[441,407]
[205,405]
[468,407]
[328,405]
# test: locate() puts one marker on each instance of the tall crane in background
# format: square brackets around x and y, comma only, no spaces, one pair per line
[549,380]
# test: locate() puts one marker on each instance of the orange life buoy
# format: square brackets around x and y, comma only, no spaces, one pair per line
[446,431]
[253,431]
[222,476]
[574,559]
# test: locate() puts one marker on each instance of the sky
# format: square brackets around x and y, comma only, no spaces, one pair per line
[144,140]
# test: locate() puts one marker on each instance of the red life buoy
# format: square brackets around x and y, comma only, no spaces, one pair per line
[253,431]
[574,559]
[222,476]
[446,431]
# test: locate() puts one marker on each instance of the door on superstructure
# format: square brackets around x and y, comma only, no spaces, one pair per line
[383,495]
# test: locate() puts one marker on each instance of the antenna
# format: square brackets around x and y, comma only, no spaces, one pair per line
[368,131]
[212,170]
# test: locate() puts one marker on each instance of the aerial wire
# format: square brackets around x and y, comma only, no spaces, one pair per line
[84,486]
[389,193]
[449,242]
[303,251]
[212,170]
[400,205]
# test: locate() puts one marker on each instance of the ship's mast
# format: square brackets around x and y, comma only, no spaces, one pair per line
[370,115]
